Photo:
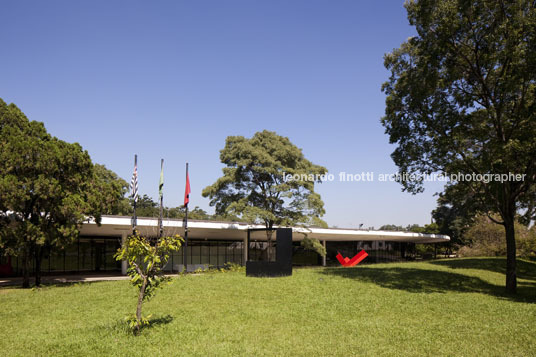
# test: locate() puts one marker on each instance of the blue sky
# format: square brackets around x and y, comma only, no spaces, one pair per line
[172,79]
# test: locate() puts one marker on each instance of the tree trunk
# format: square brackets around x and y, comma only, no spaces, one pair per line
[270,250]
[511,278]
[26,267]
[140,302]
[38,260]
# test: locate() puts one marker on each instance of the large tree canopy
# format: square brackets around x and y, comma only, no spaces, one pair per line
[254,185]
[461,99]
[47,188]
[107,193]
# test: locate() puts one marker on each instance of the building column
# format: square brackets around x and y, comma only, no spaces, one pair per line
[324,257]
[124,263]
[245,250]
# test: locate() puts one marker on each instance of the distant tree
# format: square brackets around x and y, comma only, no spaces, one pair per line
[454,215]
[146,258]
[461,99]
[108,192]
[415,228]
[391,227]
[226,218]
[428,228]
[146,207]
[198,213]
[424,249]
[485,238]
[254,187]
[180,212]
[431,228]
[47,189]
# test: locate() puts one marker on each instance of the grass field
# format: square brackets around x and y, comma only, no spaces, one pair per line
[445,307]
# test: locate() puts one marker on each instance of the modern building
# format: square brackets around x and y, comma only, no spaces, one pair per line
[212,243]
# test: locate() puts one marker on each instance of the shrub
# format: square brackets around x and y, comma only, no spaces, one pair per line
[485,238]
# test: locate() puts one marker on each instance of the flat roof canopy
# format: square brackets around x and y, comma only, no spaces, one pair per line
[211,230]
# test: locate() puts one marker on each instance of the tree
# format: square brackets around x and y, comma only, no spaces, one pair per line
[198,213]
[180,212]
[485,238]
[268,181]
[146,207]
[108,192]
[461,100]
[47,189]
[454,215]
[431,228]
[391,227]
[146,258]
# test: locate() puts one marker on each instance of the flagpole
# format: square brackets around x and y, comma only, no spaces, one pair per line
[134,218]
[185,255]
[161,193]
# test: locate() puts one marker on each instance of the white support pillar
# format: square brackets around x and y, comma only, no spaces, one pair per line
[124,263]
[324,257]
[245,250]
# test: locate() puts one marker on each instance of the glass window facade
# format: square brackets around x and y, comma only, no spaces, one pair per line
[86,254]
[378,251]
[258,251]
[304,257]
[96,254]
[205,253]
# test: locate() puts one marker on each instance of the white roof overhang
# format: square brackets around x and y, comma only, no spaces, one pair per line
[115,226]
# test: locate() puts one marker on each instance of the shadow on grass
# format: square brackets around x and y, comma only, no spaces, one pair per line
[431,281]
[122,326]
[525,269]
[156,321]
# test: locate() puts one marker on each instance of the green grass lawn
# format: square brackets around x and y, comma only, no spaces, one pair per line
[445,307]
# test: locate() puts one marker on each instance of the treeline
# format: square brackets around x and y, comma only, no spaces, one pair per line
[147,207]
[485,238]
[431,228]
[471,236]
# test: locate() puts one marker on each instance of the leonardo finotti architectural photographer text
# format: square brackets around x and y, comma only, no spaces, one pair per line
[370,176]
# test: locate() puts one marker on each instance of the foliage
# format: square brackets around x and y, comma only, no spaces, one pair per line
[392,227]
[227,267]
[452,217]
[197,213]
[146,257]
[461,99]
[47,189]
[233,267]
[424,250]
[147,207]
[431,228]
[314,245]
[108,191]
[253,186]
[135,324]
[485,238]
[180,212]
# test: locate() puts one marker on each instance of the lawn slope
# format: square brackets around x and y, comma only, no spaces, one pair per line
[445,307]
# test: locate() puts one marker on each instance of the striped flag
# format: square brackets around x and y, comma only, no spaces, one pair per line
[134,184]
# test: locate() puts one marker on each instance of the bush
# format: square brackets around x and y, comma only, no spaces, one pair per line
[486,238]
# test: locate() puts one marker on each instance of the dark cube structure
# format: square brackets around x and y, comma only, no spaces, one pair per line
[282,266]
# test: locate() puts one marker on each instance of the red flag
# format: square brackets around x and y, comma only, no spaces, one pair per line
[187,190]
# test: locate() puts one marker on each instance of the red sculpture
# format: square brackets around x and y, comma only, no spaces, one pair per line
[351,262]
